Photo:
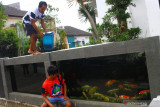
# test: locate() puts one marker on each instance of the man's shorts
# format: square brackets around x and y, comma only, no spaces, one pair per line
[29,29]
[55,100]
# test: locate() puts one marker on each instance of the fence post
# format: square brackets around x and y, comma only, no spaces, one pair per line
[1,81]
[5,79]
[152,52]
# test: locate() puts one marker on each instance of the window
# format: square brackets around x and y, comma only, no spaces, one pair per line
[83,42]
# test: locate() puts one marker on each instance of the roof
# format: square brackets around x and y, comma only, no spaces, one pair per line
[71,31]
[14,12]
[15,5]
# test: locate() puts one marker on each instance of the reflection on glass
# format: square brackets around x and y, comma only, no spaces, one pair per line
[27,78]
[109,79]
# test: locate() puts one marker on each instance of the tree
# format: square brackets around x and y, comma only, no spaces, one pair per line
[8,43]
[51,19]
[8,37]
[118,32]
[93,25]
[3,17]
[118,11]
[84,16]
[62,34]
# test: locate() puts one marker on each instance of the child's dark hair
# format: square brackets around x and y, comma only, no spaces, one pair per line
[42,3]
[52,70]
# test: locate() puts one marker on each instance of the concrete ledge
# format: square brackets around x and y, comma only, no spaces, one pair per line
[65,54]
[9,103]
[27,59]
[37,100]
[106,49]
[27,98]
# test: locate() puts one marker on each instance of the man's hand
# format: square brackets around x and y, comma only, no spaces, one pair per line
[66,98]
[45,30]
[43,25]
[41,34]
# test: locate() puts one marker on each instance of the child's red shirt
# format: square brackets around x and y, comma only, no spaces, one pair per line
[53,87]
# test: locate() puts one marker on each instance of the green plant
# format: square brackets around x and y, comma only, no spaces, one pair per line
[23,43]
[51,18]
[3,17]
[118,32]
[128,34]
[62,34]
[78,45]
[8,43]
[118,11]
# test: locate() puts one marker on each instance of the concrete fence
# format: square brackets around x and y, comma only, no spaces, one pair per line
[150,46]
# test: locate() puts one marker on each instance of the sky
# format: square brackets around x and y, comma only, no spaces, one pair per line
[67,15]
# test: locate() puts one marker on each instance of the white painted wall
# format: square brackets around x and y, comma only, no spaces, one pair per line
[101,8]
[153,11]
[146,15]
[139,17]
[12,20]
[81,38]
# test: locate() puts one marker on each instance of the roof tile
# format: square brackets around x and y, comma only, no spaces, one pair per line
[11,11]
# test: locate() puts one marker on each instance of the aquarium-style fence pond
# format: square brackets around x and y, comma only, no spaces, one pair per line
[99,75]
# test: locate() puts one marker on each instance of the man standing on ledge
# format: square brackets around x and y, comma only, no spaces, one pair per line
[31,28]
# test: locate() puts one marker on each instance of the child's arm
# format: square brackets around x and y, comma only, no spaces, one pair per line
[47,101]
[65,91]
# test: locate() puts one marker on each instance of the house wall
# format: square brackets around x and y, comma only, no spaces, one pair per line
[12,20]
[101,8]
[146,16]
[81,38]
[139,17]
[153,16]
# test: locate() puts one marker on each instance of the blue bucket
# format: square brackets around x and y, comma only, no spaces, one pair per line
[48,41]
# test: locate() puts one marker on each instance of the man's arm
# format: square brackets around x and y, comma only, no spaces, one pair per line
[36,28]
[65,91]
[43,25]
[45,99]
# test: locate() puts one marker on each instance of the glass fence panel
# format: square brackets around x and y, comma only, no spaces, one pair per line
[112,78]
[27,78]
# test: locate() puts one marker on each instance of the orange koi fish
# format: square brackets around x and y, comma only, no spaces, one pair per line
[124,97]
[144,92]
[133,85]
[120,86]
[108,83]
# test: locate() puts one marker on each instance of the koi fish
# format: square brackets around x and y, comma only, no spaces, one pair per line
[124,97]
[133,85]
[108,83]
[120,86]
[144,92]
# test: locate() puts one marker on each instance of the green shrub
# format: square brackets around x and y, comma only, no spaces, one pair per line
[8,43]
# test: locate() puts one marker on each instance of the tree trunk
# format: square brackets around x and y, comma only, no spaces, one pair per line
[95,34]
